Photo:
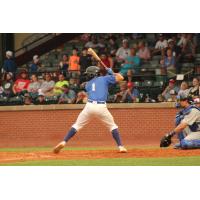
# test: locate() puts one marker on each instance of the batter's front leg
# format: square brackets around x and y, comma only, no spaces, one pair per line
[81,121]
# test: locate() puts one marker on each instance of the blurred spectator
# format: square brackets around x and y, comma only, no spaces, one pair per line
[85,37]
[135,36]
[81,97]
[74,67]
[74,84]
[132,93]
[9,64]
[68,95]
[63,65]
[1,90]
[101,44]
[130,74]
[7,84]
[183,40]
[27,100]
[58,88]
[123,52]
[120,97]
[168,63]
[189,48]
[35,65]
[170,92]
[92,43]
[176,52]
[112,45]
[183,89]
[194,91]
[47,86]
[132,64]
[160,46]
[144,52]
[21,84]
[85,60]
[108,61]
[34,86]
[40,100]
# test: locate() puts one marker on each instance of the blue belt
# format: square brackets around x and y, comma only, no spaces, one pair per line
[96,102]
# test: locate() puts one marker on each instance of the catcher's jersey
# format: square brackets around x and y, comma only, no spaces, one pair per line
[97,88]
[192,117]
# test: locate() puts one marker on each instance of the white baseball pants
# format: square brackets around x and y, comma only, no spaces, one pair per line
[92,110]
[191,135]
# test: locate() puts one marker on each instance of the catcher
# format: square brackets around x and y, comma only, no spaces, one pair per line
[187,126]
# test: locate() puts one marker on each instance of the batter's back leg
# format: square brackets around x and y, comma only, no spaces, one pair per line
[106,117]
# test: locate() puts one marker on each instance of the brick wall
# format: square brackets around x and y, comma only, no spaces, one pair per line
[138,126]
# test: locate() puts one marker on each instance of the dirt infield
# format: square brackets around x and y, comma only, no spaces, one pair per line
[11,157]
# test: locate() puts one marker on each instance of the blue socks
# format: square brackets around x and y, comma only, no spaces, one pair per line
[70,134]
[115,134]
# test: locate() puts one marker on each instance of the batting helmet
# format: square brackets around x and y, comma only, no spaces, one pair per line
[92,71]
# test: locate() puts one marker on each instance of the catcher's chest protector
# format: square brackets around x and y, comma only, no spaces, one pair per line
[180,116]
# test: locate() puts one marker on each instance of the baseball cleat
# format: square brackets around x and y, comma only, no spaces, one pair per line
[60,146]
[122,149]
[177,146]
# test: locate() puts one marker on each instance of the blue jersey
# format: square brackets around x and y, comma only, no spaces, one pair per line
[97,88]
[33,68]
[9,65]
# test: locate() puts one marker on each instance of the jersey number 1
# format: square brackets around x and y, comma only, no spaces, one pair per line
[93,87]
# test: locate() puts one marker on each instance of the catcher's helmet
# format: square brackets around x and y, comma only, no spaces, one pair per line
[184,97]
[92,71]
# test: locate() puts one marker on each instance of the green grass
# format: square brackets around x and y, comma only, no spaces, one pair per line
[178,161]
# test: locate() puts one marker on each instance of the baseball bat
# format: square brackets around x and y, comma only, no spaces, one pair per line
[93,53]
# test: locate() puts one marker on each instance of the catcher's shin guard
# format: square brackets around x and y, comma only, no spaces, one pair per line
[190,144]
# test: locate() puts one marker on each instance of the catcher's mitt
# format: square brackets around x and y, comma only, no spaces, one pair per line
[166,140]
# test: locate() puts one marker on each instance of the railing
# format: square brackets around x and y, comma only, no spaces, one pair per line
[33,44]
[42,45]
[31,38]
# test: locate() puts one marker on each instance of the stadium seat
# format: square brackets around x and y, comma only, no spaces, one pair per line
[3,100]
[158,84]
[15,100]
[187,65]
[46,63]
[154,64]
[137,84]
[51,69]
[197,55]
[51,100]
[145,66]
[147,83]
[156,57]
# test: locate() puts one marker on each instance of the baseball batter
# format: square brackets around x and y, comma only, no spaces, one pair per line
[97,90]
[187,126]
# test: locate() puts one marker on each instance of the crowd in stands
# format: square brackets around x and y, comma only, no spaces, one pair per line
[34,85]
